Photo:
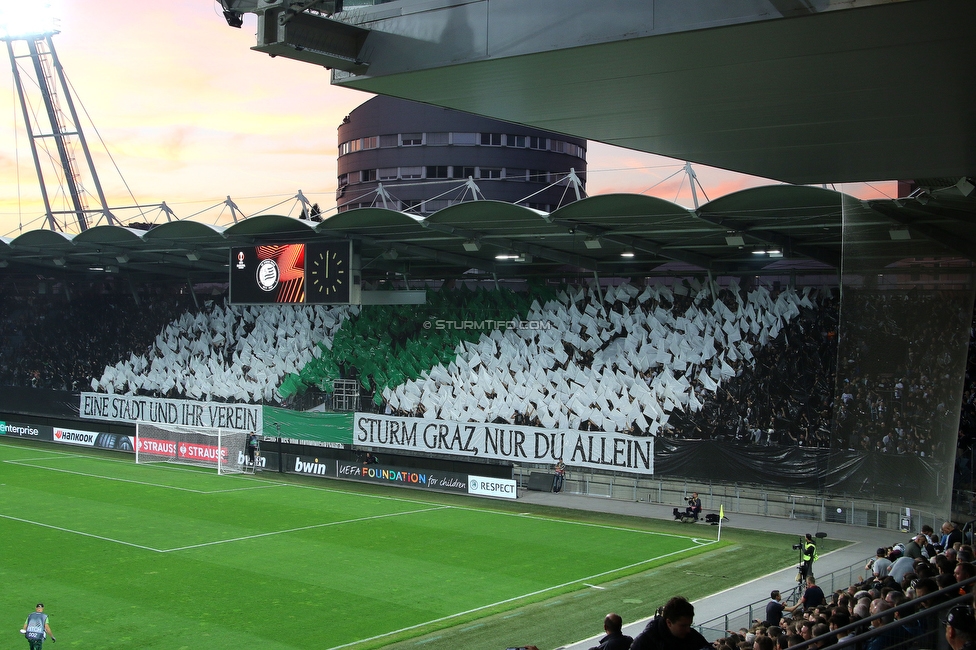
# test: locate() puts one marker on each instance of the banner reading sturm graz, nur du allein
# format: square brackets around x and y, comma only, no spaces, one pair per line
[595,450]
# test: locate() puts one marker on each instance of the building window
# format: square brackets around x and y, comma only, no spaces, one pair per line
[491,139]
[411,172]
[409,205]
[515,174]
[538,143]
[538,176]
[464,139]
[435,204]
[411,139]
[438,139]
[387,173]
[437,171]
[489,172]
[390,140]
[367,175]
[515,140]
[462,172]
[371,142]
[343,179]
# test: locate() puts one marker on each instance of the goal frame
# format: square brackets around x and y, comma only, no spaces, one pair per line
[208,447]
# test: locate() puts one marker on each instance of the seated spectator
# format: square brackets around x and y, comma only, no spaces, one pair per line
[900,568]
[950,535]
[885,639]
[881,564]
[964,571]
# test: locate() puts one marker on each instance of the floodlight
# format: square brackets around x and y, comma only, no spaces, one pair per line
[734,240]
[472,246]
[899,234]
[592,243]
[26,18]
[627,254]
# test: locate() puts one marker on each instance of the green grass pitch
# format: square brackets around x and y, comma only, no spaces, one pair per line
[161,556]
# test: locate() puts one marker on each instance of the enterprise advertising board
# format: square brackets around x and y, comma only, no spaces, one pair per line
[116,441]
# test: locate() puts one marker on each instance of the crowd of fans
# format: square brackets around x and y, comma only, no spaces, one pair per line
[903,579]
[56,342]
[688,361]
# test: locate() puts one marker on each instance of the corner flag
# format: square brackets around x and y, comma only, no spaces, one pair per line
[721,516]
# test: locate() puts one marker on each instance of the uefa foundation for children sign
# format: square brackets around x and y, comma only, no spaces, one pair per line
[596,450]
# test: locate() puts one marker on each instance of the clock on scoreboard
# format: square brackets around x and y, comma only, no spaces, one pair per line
[319,273]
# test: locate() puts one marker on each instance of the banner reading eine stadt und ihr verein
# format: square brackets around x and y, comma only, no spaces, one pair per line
[186,413]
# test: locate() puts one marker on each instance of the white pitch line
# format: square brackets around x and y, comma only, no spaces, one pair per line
[510,600]
[107,478]
[78,532]
[294,530]
[129,480]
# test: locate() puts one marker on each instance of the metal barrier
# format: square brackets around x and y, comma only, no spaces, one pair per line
[744,498]
[744,616]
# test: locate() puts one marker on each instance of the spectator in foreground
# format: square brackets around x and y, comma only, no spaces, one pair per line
[615,638]
[960,627]
[671,629]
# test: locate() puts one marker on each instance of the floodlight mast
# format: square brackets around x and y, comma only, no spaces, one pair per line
[49,78]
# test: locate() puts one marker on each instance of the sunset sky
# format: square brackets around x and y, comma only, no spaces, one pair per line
[190,115]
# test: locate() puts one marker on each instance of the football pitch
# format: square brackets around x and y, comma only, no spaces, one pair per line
[163,556]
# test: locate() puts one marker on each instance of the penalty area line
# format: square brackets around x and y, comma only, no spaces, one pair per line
[107,478]
[538,592]
[78,532]
[300,528]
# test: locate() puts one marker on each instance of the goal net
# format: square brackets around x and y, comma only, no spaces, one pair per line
[223,449]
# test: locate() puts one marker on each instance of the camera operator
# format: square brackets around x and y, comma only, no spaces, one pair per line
[808,555]
[694,506]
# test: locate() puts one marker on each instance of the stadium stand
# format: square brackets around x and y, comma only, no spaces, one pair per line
[691,362]
[226,353]
[878,611]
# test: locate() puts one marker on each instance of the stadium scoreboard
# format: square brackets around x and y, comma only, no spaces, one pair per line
[317,273]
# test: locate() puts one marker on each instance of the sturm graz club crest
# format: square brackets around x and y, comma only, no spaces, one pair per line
[267,275]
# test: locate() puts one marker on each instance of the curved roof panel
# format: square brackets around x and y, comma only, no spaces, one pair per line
[617,235]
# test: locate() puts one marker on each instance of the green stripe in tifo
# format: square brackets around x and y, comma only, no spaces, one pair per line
[319,427]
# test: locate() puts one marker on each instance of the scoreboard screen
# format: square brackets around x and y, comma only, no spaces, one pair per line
[267,274]
[292,273]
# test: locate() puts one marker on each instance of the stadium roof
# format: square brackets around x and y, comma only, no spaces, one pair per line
[736,234]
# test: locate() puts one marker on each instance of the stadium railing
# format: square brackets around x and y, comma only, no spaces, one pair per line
[743,498]
[744,616]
